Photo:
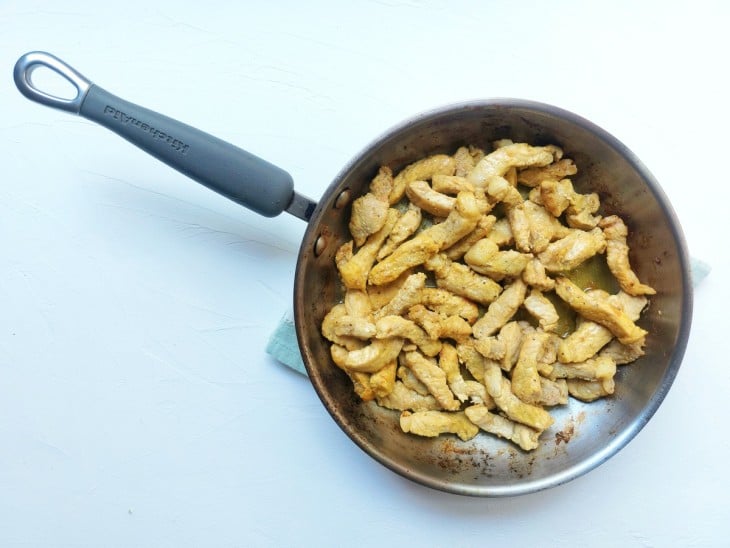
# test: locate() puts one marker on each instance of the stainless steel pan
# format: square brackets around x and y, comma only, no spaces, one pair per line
[584,435]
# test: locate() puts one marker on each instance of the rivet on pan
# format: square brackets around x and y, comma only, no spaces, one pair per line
[319,245]
[343,199]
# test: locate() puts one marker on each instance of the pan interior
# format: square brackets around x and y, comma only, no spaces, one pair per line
[584,435]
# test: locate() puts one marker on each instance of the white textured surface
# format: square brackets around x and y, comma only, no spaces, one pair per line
[137,405]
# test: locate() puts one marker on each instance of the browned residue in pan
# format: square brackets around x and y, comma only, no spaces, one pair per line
[565,434]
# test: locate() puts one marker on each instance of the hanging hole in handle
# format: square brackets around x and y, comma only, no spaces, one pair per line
[52,83]
[27,82]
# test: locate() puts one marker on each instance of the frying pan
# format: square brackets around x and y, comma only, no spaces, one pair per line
[584,435]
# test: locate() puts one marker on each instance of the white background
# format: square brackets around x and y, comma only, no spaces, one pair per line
[137,404]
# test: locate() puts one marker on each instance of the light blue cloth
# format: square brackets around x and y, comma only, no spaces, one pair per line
[283,346]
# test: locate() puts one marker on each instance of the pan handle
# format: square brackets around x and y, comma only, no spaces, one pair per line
[236,174]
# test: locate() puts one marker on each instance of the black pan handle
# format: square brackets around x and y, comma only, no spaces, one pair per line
[236,174]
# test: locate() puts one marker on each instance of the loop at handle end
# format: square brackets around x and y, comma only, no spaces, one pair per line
[35,59]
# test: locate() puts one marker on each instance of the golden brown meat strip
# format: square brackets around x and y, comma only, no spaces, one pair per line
[599,310]
[622,354]
[544,228]
[500,389]
[401,398]
[559,197]
[462,280]
[409,380]
[535,275]
[369,211]
[375,356]
[499,189]
[353,326]
[514,155]
[555,195]
[589,337]
[430,374]
[580,212]
[567,253]
[411,253]
[501,310]
[450,184]
[407,295]
[501,233]
[583,343]
[422,170]
[354,272]
[440,326]
[524,436]
[434,423]
[533,176]
[486,258]
[519,224]
[382,382]
[404,227]
[382,184]
[617,257]
[360,380]
[474,362]
[484,227]
[587,391]
[398,326]
[429,320]
[460,222]
[449,304]
[466,158]
[422,195]
[511,336]
[552,392]
[329,329]
[542,310]
[601,369]
[464,390]
[525,378]
[368,216]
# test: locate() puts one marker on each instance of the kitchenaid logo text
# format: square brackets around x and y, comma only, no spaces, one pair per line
[176,144]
